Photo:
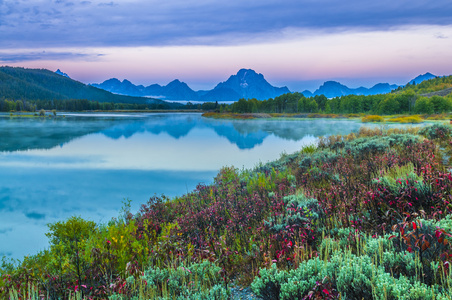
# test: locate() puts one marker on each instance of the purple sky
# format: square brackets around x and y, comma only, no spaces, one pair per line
[296,43]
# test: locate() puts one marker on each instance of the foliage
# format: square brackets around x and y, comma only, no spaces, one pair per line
[432,85]
[408,100]
[372,118]
[364,215]
[436,131]
[407,119]
[43,88]
[308,149]
[371,271]
[193,281]
[33,105]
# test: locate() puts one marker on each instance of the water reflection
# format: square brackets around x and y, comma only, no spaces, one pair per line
[37,133]
[245,134]
[23,134]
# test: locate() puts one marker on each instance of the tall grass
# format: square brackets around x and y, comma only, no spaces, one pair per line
[372,118]
[33,293]
[407,119]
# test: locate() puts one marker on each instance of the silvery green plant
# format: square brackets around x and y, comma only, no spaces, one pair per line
[300,210]
[368,273]
[191,281]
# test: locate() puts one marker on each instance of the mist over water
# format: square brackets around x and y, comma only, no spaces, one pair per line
[87,164]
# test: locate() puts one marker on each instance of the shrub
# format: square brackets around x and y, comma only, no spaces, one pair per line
[442,116]
[372,118]
[372,273]
[437,131]
[407,119]
[308,149]
[301,212]
[195,281]
[399,178]
[318,157]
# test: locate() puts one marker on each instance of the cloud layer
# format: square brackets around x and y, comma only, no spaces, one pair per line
[38,23]
[202,42]
[31,55]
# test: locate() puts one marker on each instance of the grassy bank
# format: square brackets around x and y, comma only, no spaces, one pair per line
[365,215]
[230,115]
[366,118]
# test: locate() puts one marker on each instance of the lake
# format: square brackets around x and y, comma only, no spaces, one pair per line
[87,164]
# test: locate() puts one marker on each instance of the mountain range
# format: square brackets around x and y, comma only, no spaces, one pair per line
[421,78]
[333,89]
[40,84]
[245,84]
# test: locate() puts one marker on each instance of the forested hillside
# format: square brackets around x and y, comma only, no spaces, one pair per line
[33,89]
[429,86]
[41,84]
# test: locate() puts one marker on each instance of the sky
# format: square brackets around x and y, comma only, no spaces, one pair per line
[294,43]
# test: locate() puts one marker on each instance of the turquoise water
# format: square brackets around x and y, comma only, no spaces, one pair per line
[87,164]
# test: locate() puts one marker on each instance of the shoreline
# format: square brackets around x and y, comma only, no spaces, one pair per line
[383,119]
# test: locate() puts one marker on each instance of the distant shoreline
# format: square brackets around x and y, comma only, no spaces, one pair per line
[365,118]
[50,113]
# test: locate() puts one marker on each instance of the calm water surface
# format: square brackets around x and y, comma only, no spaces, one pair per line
[87,164]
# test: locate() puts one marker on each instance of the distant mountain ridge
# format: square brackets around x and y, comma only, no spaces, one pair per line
[175,90]
[421,78]
[333,89]
[39,84]
[245,84]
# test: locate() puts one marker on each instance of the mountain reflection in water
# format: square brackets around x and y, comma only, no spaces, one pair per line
[36,133]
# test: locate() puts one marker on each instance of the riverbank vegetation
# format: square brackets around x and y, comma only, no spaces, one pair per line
[75,105]
[404,119]
[423,98]
[364,215]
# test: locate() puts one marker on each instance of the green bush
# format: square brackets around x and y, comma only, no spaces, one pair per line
[301,212]
[308,149]
[398,178]
[318,157]
[372,273]
[195,281]
[437,131]
[378,144]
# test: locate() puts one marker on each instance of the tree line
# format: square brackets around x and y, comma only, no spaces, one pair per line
[384,104]
[410,99]
[74,105]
